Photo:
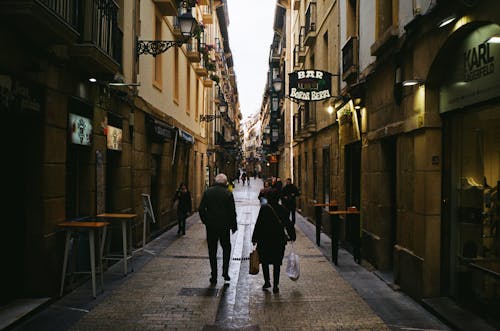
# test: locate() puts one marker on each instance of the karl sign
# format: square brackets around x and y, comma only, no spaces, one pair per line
[310,85]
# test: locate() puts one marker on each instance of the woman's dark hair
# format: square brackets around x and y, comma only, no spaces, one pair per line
[272,195]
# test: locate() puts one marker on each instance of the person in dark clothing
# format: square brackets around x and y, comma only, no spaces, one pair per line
[263,192]
[269,235]
[218,213]
[184,207]
[289,197]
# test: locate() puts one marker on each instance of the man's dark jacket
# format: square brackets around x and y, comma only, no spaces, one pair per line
[217,208]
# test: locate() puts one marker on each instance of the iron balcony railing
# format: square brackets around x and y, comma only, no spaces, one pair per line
[66,9]
[97,22]
[350,55]
[311,17]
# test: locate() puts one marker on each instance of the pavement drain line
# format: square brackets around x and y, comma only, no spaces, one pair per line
[229,304]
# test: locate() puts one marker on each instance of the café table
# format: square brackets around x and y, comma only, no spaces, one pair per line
[334,220]
[124,220]
[91,228]
[318,211]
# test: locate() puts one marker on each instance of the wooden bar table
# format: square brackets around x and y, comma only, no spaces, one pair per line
[124,220]
[318,213]
[91,228]
[334,220]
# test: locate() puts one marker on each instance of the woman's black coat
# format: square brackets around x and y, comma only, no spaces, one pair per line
[269,233]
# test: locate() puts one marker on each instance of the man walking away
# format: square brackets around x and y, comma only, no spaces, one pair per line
[218,213]
[289,197]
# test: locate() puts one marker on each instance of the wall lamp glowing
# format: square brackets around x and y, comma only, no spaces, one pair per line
[494,40]
[412,82]
[447,21]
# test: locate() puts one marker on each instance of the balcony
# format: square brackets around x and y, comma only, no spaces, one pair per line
[310,36]
[296,4]
[207,82]
[167,7]
[176,28]
[309,125]
[99,49]
[200,68]
[46,22]
[302,48]
[350,56]
[193,50]
[207,14]
[219,139]
[275,55]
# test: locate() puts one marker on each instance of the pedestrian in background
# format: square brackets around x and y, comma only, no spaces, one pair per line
[263,192]
[289,197]
[244,178]
[218,213]
[182,199]
[269,235]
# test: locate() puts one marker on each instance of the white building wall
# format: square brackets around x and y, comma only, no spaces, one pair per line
[367,30]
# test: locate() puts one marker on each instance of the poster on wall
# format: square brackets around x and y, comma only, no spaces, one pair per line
[114,137]
[80,129]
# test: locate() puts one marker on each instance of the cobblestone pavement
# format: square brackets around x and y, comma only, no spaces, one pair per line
[172,290]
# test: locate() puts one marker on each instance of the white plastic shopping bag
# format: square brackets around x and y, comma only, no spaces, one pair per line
[293,266]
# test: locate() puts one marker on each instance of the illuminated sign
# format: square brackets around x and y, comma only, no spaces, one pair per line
[80,129]
[114,136]
[310,85]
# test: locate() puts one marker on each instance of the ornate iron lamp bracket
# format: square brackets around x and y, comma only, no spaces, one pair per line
[208,118]
[156,47]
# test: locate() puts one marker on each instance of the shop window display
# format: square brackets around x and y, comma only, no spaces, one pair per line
[477,177]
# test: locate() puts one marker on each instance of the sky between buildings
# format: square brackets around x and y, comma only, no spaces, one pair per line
[250,36]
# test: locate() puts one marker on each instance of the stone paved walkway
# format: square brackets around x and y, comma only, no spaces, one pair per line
[172,291]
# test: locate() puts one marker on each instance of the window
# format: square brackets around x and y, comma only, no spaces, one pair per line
[351,13]
[176,75]
[386,12]
[188,87]
[157,81]
[197,103]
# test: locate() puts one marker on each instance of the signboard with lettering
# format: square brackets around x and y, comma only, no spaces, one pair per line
[17,95]
[474,75]
[114,137]
[310,85]
[80,129]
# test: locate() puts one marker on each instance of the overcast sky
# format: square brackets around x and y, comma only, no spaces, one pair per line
[250,36]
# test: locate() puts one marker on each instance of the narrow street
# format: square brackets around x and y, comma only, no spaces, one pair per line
[169,289]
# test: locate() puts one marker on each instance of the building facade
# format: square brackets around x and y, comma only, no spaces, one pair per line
[99,123]
[409,138]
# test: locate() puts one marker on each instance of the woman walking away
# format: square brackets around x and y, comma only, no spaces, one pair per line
[183,196]
[269,235]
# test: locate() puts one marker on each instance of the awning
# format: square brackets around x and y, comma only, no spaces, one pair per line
[159,130]
[186,137]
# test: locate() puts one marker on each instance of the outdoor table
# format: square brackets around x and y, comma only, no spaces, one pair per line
[318,212]
[91,228]
[334,220]
[124,220]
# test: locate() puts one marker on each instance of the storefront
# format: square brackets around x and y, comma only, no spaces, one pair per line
[350,146]
[161,137]
[21,106]
[470,107]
